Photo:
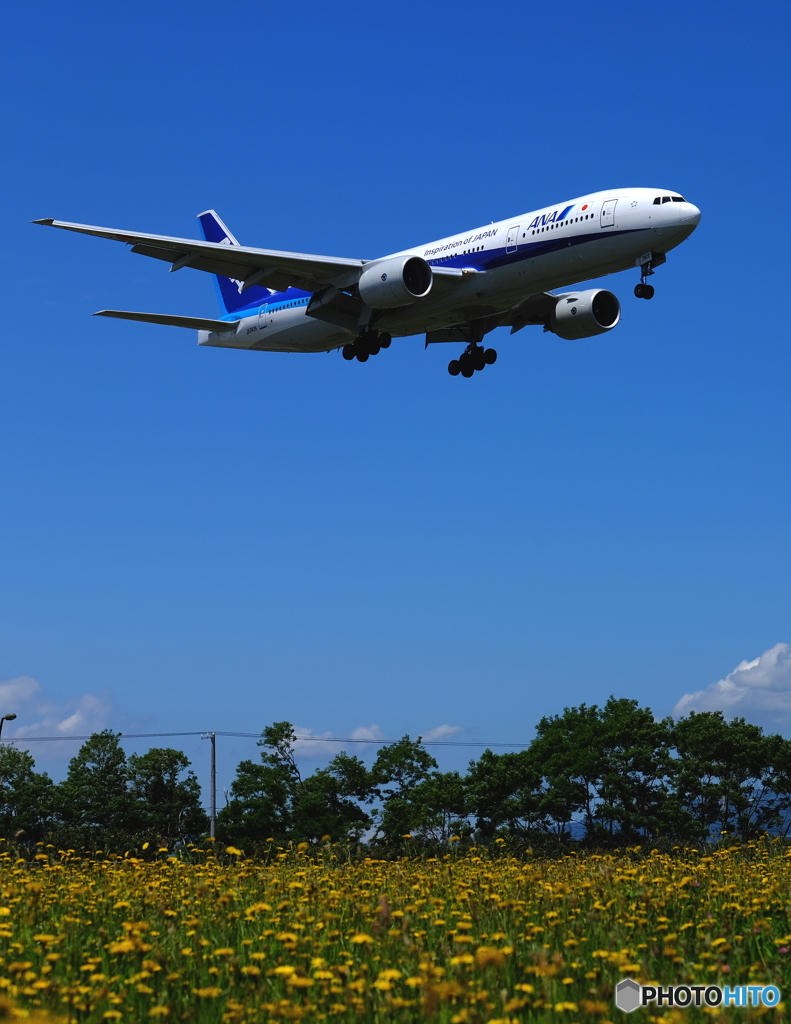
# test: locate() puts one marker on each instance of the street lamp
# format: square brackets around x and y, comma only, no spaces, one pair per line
[6,718]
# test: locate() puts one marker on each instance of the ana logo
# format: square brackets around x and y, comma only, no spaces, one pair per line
[548,218]
[384,277]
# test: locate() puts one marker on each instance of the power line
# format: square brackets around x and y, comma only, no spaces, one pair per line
[257,736]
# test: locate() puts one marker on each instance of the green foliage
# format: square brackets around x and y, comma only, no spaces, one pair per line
[167,795]
[601,776]
[27,798]
[95,794]
[729,776]
[271,800]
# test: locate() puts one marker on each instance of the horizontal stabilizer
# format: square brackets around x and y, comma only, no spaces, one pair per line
[197,323]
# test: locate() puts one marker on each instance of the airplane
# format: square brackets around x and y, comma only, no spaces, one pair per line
[457,289]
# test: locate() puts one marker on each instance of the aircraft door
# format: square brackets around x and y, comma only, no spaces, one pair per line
[263,319]
[511,240]
[608,213]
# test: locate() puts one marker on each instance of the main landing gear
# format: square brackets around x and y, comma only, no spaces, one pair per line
[473,358]
[368,344]
[644,291]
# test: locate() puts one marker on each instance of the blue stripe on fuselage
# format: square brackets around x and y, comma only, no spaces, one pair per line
[492,259]
[275,302]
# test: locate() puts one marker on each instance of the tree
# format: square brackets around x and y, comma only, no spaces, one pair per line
[271,800]
[608,764]
[27,798]
[260,806]
[167,794]
[95,794]
[504,793]
[729,776]
[398,770]
[439,808]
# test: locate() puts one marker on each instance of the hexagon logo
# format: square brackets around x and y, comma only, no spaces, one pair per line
[627,995]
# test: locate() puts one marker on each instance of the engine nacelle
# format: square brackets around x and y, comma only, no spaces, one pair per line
[395,282]
[583,314]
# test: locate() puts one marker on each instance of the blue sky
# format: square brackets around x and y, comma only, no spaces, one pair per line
[198,539]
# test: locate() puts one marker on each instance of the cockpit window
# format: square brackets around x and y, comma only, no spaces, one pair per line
[678,199]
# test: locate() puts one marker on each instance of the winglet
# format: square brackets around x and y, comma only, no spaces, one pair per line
[49,221]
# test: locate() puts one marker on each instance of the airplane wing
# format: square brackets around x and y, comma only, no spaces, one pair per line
[197,323]
[536,309]
[279,270]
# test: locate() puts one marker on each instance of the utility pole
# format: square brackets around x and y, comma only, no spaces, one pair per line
[213,783]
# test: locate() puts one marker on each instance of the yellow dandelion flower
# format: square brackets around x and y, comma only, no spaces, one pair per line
[158,1011]
[486,956]
[208,993]
[122,946]
[361,939]
[233,851]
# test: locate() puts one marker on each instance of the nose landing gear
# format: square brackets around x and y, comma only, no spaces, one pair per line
[368,344]
[646,263]
[474,357]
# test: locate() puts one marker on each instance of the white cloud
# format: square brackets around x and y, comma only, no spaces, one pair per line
[313,745]
[442,732]
[758,690]
[38,716]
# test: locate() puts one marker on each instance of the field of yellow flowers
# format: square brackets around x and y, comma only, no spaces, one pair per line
[309,935]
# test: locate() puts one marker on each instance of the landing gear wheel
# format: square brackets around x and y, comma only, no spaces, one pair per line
[348,351]
[644,291]
[362,357]
[454,368]
[384,340]
[490,356]
[478,359]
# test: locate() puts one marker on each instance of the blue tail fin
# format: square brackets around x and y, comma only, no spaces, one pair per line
[231,295]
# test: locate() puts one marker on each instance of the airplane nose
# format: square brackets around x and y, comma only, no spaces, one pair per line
[690,215]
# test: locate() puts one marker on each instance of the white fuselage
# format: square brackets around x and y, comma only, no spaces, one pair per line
[503,263]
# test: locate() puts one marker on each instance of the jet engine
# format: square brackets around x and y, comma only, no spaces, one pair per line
[583,314]
[395,282]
